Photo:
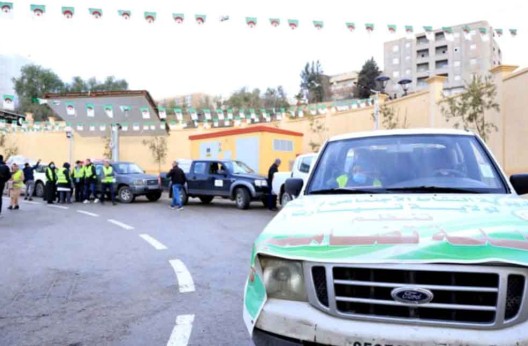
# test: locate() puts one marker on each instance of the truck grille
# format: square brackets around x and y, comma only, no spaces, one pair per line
[479,296]
[152,182]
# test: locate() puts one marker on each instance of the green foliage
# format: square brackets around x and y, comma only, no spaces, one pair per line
[245,99]
[34,82]
[158,148]
[107,153]
[109,84]
[467,108]
[389,119]
[319,129]
[367,79]
[6,147]
[313,83]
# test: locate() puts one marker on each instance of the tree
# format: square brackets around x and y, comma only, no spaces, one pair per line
[33,83]
[319,129]
[313,83]
[467,109]
[245,99]
[107,153]
[8,149]
[367,79]
[109,84]
[158,148]
[275,98]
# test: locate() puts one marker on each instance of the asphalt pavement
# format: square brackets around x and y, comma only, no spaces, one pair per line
[137,274]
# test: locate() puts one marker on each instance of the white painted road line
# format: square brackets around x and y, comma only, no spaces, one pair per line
[185,281]
[155,243]
[181,333]
[58,207]
[31,202]
[120,224]
[87,213]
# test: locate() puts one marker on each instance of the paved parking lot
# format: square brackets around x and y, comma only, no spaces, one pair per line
[138,274]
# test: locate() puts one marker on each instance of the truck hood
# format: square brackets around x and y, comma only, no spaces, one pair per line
[249,176]
[414,228]
[137,176]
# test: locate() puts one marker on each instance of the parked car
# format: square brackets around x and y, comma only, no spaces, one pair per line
[227,179]
[131,182]
[300,169]
[397,238]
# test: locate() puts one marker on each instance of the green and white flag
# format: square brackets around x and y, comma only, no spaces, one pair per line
[238,121]
[178,113]
[369,27]
[354,105]
[163,125]
[215,122]
[178,17]
[193,114]
[150,17]
[145,112]
[68,12]
[484,35]
[91,127]
[264,113]
[318,24]
[109,111]
[466,29]
[275,22]
[229,113]
[409,31]
[96,12]
[200,18]
[252,113]
[292,112]
[300,112]
[152,126]
[70,108]
[448,33]
[391,28]
[513,32]
[125,109]
[146,126]
[6,7]
[251,21]
[102,127]
[90,110]
[351,26]
[220,114]
[125,14]
[9,102]
[241,113]
[173,125]
[293,23]
[499,32]
[162,111]
[207,114]
[124,127]
[38,10]
[313,110]
[39,101]
[321,109]
[429,34]
[135,127]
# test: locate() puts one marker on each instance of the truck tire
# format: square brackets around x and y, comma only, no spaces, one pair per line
[154,196]
[39,189]
[206,199]
[184,197]
[125,194]
[285,198]
[242,198]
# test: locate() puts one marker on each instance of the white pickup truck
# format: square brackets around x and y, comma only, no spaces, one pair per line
[403,237]
[300,169]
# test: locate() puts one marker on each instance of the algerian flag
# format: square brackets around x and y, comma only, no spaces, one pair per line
[499,32]
[135,126]
[152,126]
[96,12]
[466,29]
[207,114]
[109,111]
[369,27]
[145,113]
[321,109]
[275,22]
[227,123]
[220,114]
[313,110]
[102,127]
[351,26]
[146,127]
[173,125]
[300,113]
[264,113]
[194,115]
[237,121]
[215,122]
[178,113]
[429,33]
[80,127]
[9,102]
[392,28]
[125,14]
[355,105]
[6,7]
[200,19]
[178,17]
[70,108]
[291,110]
[252,113]
[163,125]
[38,10]
[92,127]
[124,127]
[513,32]
[229,113]
[241,113]
[39,101]
[318,24]
[162,112]
[150,17]
[448,32]
[484,34]
[68,12]
[251,21]
[90,110]
[409,31]
[125,109]
[293,23]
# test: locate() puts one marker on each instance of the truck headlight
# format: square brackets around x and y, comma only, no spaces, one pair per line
[138,182]
[261,183]
[283,279]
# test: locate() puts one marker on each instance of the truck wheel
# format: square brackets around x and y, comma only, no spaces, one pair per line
[184,197]
[285,198]
[206,199]
[125,194]
[154,196]
[242,198]
[39,189]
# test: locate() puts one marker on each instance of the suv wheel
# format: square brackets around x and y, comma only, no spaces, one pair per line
[39,189]
[125,194]
[242,198]
[285,198]
[154,196]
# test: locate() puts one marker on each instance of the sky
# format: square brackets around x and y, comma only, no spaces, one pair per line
[220,57]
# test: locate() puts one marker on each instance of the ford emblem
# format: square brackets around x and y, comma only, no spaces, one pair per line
[412,295]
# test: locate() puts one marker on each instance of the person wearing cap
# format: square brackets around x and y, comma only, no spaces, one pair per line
[15,185]
[178,180]
[29,180]
[64,183]
[107,182]
[272,198]
[77,175]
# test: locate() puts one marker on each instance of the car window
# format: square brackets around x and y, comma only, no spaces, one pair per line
[127,168]
[199,168]
[99,169]
[305,163]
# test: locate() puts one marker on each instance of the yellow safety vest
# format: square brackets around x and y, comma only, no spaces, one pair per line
[88,171]
[61,176]
[342,180]
[78,172]
[17,179]
[108,177]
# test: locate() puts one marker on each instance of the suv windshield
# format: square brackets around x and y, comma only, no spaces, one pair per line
[127,168]
[406,163]
[238,167]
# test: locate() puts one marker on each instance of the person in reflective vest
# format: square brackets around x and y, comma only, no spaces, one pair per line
[51,181]
[107,182]
[90,178]
[77,175]
[357,177]
[64,183]
[16,182]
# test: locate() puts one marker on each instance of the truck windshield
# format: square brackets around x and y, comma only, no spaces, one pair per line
[238,167]
[406,164]
[127,168]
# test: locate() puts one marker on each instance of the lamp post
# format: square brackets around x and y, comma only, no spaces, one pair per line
[404,83]
[114,141]
[69,136]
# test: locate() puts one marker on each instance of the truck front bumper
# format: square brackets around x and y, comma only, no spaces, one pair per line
[285,322]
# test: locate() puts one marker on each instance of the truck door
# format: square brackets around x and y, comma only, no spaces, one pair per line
[220,178]
[197,178]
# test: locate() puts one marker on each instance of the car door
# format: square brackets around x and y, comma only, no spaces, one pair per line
[220,179]
[197,178]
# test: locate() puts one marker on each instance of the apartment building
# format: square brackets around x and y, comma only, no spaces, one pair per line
[456,52]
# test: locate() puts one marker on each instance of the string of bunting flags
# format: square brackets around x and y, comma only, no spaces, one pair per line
[69,12]
[190,118]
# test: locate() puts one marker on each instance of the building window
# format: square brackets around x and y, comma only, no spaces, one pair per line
[282,145]
[395,61]
[473,61]
[473,46]
[395,74]
[456,63]
[408,45]
[408,72]
[395,48]
[457,77]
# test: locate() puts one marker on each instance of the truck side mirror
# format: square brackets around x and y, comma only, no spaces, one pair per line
[293,186]
[520,183]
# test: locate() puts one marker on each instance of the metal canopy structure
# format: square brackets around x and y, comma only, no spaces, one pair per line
[11,117]
[93,114]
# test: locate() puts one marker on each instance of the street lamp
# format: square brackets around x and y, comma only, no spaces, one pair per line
[405,85]
[382,80]
[69,136]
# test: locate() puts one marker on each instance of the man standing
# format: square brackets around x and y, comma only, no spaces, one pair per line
[272,199]
[90,178]
[178,179]
[77,175]
[107,182]
[64,183]
[29,180]
[51,183]
[5,175]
